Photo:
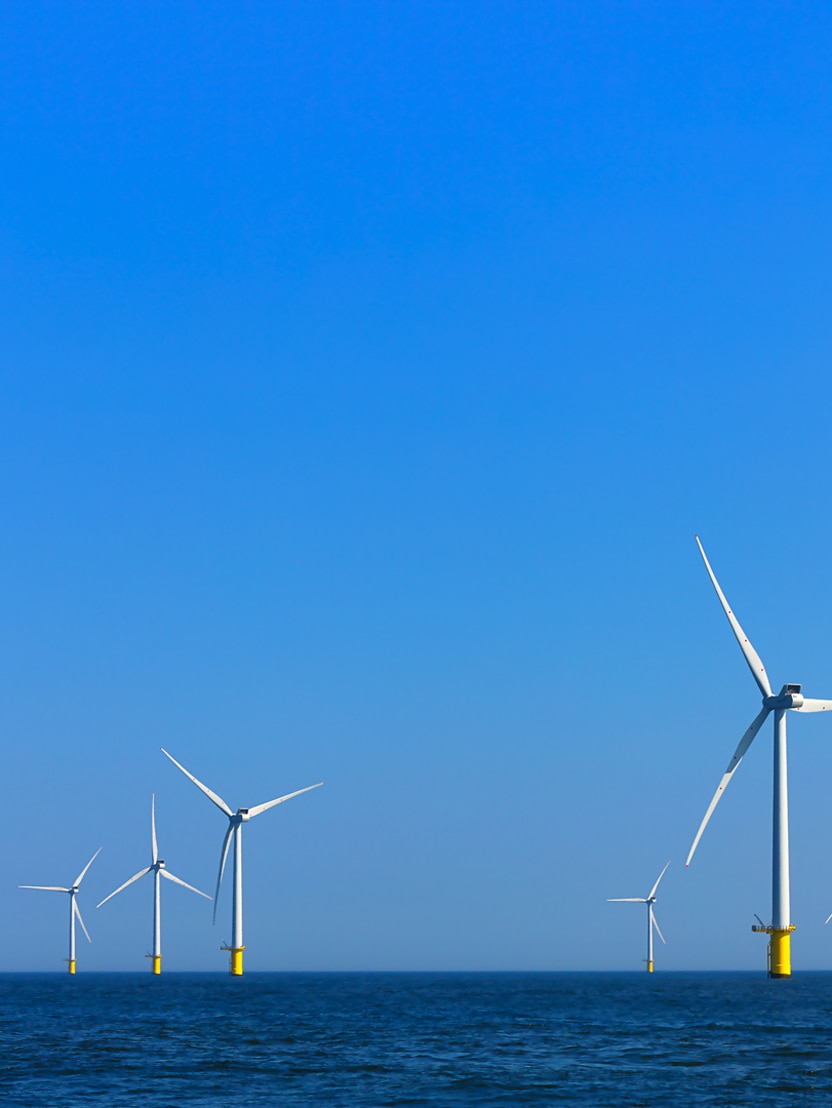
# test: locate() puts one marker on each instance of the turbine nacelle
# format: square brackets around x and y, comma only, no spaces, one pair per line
[788,697]
[242,815]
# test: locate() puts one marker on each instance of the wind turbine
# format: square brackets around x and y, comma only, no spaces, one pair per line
[788,699]
[649,900]
[235,832]
[157,867]
[74,910]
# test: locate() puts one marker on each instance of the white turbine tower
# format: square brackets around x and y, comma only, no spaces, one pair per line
[788,699]
[235,832]
[74,910]
[158,869]
[649,900]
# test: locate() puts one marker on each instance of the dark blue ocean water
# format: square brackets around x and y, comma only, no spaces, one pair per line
[415,1039]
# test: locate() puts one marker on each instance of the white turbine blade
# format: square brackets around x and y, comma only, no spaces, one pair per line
[626,900]
[271,803]
[225,845]
[652,892]
[828,918]
[77,912]
[755,663]
[153,843]
[810,705]
[184,884]
[654,922]
[80,876]
[218,800]
[135,877]
[46,888]
[745,742]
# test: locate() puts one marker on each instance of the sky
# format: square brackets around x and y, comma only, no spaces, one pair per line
[367,371]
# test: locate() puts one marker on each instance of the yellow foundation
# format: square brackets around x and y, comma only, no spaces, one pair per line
[779,949]
[235,967]
[780,953]
[649,967]
[157,963]
[72,965]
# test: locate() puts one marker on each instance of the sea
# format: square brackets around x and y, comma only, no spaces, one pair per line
[438,1039]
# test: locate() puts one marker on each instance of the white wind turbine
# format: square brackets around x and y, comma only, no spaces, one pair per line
[74,910]
[235,832]
[788,699]
[649,900]
[158,869]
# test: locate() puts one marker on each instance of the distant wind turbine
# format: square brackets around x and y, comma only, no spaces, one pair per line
[157,867]
[235,832]
[649,900]
[788,699]
[74,910]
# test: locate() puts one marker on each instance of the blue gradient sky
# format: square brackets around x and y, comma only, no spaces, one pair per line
[366,372]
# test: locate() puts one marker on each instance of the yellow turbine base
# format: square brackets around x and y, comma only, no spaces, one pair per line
[157,963]
[235,967]
[72,965]
[779,949]
[780,953]
[649,967]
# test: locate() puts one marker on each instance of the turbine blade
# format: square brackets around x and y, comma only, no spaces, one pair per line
[745,742]
[755,663]
[271,803]
[828,918]
[46,888]
[626,900]
[225,845]
[652,892]
[80,876]
[655,923]
[218,800]
[153,843]
[810,705]
[184,884]
[77,912]
[135,877]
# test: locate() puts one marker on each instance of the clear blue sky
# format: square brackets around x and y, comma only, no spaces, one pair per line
[367,370]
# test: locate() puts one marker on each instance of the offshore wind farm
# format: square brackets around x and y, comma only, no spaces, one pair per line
[367,371]
[779,930]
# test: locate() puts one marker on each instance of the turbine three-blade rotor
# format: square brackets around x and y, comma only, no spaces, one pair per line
[62,888]
[235,819]
[155,864]
[789,699]
[649,900]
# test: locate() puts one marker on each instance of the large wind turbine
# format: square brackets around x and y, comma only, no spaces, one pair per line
[235,832]
[788,699]
[649,900]
[74,910]
[158,869]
